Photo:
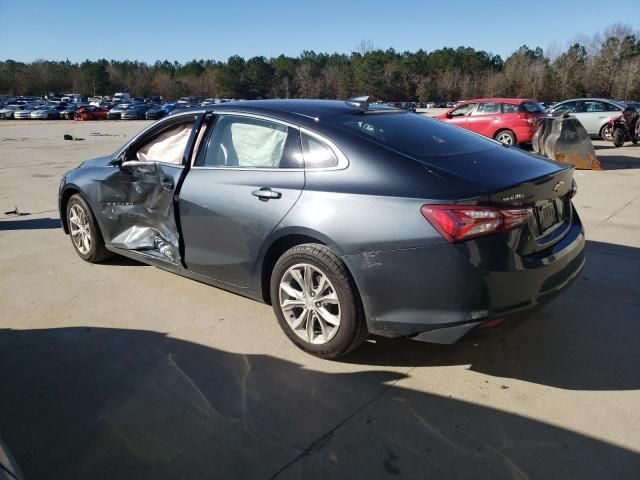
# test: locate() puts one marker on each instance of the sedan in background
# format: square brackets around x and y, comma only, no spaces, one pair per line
[159,111]
[116,112]
[47,112]
[7,111]
[23,112]
[91,112]
[593,113]
[507,120]
[347,218]
[136,112]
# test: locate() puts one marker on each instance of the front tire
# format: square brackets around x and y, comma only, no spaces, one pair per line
[618,137]
[506,137]
[316,301]
[84,232]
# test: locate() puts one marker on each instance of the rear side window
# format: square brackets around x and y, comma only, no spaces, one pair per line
[611,108]
[487,108]
[591,107]
[415,135]
[317,154]
[510,108]
[533,107]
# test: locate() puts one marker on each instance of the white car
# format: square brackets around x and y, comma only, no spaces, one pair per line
[23,112]
[8,110]
[593,113]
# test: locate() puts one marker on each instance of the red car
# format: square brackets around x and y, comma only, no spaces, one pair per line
[507,120]
[91,112]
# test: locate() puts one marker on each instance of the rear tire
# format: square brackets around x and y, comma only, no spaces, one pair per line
[605,133]
[84,232]
[316,301]
[506,137]
[618,137]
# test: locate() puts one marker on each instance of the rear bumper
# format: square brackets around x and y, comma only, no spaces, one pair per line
[440,293]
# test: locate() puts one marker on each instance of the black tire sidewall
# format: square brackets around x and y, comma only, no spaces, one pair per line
[349,329]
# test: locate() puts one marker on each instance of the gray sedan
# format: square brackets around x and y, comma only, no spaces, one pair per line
[348,218]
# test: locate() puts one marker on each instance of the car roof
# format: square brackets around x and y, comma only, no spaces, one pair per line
[589,99]
[502,100]
[310,109]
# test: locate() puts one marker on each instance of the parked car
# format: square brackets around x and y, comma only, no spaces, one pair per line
[347,222]
[91,112]
[69,111]
[159,111]
[507,120]
[23,112]
[136,112]
[593,113]
[116,111]
[47,112]
[7,111]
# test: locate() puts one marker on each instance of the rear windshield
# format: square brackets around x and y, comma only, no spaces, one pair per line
[533,107]
[415,135]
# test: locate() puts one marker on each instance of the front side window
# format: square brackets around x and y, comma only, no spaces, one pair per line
[245,142]
[168,146]
[317,154]
[487,108]
[463,110]
[565,107]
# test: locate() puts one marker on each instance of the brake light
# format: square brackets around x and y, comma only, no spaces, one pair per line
[457,223]
[526,118]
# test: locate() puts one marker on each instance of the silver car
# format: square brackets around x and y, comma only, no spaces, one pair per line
[593,113]
[23,112]
[45,113]
[7,111]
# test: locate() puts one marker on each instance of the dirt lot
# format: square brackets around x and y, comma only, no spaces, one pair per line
[121,370]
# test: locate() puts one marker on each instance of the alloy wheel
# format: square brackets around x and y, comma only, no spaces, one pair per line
[80,230]
[504,137]
[310,303]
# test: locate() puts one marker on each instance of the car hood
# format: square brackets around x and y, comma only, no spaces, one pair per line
[97,162]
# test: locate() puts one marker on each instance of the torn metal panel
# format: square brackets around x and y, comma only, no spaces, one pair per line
[137,207]
[569,143]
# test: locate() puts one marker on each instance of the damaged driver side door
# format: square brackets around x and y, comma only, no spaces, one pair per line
[138,209]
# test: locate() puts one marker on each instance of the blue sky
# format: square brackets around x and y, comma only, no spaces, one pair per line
[182,30]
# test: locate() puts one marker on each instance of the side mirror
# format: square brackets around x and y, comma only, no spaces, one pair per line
[142,167]
[120,159]
[449,115]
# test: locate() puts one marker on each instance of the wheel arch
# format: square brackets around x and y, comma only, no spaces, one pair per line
[280,243]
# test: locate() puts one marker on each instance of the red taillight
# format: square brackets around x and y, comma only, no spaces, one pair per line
[462,222]
[527,118]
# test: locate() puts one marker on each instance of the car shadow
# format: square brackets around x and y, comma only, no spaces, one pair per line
[619,162]
[585,339]
[104,403]
[30,224]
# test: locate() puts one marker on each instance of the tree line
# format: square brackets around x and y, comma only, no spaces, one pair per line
[606,65]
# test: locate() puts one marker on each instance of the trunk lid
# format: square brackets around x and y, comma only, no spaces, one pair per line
[514,178]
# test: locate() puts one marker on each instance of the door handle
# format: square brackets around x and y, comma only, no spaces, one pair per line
[265,193]
[167,183]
